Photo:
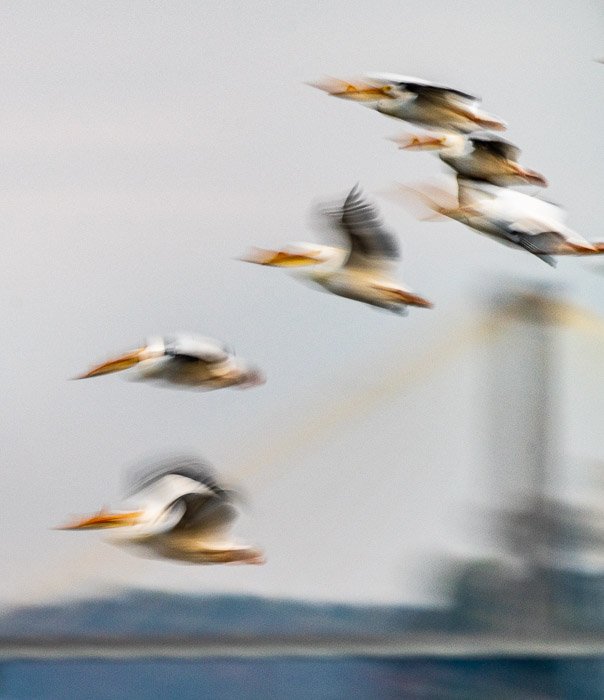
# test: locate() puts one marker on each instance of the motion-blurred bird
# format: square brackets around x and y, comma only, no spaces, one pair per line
[416,101]
[184,360]
[513,218]
[362,270]
[479,156]
[177,511]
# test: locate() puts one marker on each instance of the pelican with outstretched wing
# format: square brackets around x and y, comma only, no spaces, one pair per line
[183,360]
[176,511]
[361,268]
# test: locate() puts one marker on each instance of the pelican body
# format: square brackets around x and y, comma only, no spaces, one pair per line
[178,512]
[478,156]
[518,220]
[183,360]
[416,101]
[362,270]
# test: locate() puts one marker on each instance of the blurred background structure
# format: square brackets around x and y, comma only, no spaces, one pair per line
[550,574]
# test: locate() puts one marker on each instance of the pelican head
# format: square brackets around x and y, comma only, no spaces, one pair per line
[130,527]
[356,90]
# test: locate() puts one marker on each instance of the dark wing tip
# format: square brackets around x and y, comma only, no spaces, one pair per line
[183,465]
[362,223]
[494,143]
[355,194]
[431,90]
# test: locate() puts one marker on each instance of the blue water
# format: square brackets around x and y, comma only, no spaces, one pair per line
[297,679]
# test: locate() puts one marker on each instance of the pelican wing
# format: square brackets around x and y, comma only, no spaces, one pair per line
[492,143]
[535,242]
[440,95]
[369,242]
[532,227]
[174,477]
[423,88]
[550,236]
[206,515]
[198,349]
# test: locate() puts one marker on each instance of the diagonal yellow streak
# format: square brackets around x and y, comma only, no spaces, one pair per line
[324,421]
[334,413]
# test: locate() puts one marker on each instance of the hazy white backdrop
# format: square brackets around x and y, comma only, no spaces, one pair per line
[147,145]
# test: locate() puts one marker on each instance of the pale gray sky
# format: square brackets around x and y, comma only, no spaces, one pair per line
[144,147]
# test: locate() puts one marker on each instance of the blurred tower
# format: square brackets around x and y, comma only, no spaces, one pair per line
[521,380]
[514,593]
[539,585]
[524,454]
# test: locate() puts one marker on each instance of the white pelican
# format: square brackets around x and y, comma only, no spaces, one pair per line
[184,360]
[177,511]
[478,156]
[514,219]
[361,271]
[416,101]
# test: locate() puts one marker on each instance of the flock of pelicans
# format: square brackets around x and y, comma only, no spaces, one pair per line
[178,510]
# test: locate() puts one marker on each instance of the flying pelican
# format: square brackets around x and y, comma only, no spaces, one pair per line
[361,271]
[514,219]
[416,101]
[478,156]
[177,511]
[184,360]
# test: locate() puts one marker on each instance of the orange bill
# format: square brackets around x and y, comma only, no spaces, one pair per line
[116,365]
[358,90]
[280,258]
[104,519]
[417,142]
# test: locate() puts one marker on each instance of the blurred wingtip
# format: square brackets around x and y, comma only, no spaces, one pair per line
[422,201]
